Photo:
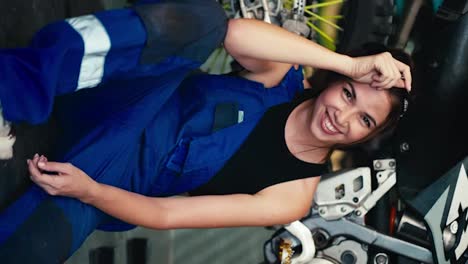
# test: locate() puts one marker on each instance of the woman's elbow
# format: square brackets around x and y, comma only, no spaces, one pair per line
[296,215]
[234,35]
[158,219]
[289,216]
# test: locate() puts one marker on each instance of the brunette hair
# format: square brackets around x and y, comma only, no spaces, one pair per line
[399,97]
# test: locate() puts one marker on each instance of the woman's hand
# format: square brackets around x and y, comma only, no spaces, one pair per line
[61,178]
[381,71]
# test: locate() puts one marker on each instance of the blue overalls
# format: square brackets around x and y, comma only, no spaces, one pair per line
[139,129]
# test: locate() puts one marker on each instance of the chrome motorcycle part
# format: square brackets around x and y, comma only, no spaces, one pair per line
[386,179]
[345,227]
[258,9]
[301,232]
[404,147]
[353,190]
[298,8]
[348,186]
[346,252]
[412,229]
[320,261]
[307,255]
[321,238]
[454,227]
[384,164]
[449,239]
[446,201]
[297,27]
[366,20]
[381,258]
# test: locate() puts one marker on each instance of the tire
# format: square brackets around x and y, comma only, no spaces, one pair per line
[366,21]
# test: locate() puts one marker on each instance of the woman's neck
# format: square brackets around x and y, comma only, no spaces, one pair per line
[299,139]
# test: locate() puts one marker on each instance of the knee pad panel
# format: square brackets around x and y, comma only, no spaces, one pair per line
[188,28]
[45,237]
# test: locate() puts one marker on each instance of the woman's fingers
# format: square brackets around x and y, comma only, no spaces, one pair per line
[381,81]
[402,84]
[383,85]
[52,184]
[385,71]
[46,182]
[392,73]
[70,181]
[33,169]
[59,167]
[405,74]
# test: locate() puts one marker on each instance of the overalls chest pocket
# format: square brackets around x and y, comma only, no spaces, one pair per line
[226,115]
[230,129]
[196,160]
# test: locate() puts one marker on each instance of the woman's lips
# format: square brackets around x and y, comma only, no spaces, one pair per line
[327,125]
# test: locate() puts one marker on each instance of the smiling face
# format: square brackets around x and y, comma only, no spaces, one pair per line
[347,112]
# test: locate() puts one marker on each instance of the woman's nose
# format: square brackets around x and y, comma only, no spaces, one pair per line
[342,117]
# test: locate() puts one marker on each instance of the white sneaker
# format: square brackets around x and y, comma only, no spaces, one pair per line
[6,140]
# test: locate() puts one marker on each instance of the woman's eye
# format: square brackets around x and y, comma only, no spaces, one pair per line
[366,121]
[347,93]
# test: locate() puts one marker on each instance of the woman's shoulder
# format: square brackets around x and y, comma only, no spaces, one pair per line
[283,75]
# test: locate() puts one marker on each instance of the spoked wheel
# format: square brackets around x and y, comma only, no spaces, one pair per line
[365,21]
[339,25]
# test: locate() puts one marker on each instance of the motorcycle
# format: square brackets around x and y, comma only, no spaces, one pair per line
[428,229]
[336,24]
[418,216]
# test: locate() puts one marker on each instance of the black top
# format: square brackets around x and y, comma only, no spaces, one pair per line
[262,160]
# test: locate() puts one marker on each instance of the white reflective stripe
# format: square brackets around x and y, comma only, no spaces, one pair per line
[96,46]
[6,147]
[240,116]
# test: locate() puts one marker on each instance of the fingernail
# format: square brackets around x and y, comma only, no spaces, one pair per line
[36,155]
[41,164]
[28,161]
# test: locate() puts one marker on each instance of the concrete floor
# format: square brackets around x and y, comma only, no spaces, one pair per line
[19,20]
[194,246]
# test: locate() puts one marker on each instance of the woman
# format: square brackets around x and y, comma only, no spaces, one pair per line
[159,133]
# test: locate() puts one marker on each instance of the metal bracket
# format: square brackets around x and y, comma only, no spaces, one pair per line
[345,227]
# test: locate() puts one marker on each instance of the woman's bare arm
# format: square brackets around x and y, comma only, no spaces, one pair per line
[278,204]
[266,50]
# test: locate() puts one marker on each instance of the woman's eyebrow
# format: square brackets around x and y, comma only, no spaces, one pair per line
[353,93]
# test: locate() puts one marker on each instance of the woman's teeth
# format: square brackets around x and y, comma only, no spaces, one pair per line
[330,126]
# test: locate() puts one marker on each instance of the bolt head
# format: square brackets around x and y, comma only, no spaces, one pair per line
[378,164]
[381,258]
[454,227]
[404,147]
